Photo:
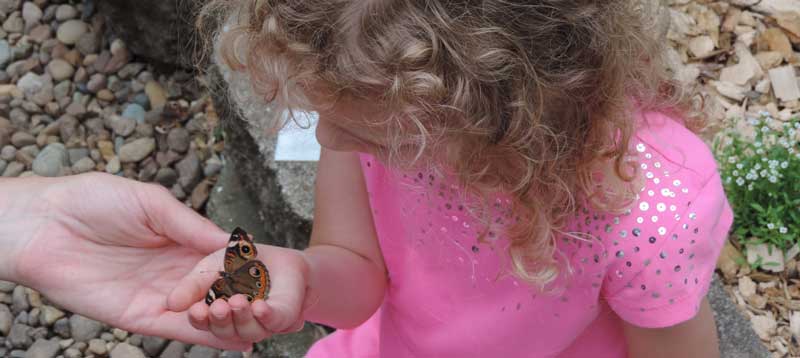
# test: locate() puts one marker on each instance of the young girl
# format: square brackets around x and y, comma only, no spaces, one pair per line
[500,178]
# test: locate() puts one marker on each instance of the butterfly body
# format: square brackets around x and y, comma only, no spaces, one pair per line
[244,273]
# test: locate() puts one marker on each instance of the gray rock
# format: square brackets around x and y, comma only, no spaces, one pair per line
[22,139]
[135,339]
[17,353]
[22,317]
[72,353]
[166,177]
[43,348]
[5,53]
[66,12]
[736,336]
[70,31]
[76,154]
[83,165]
[19,300]
[50,315]
[107,336]
[14,23]
[97,346]
[124,350]
[51,161]
[7,286]
[9,6]
[96,82]
[31,13]
[61,328]
[135,112]
[60,70]
[8,153]
[19,336]
[83,329]
[62,90]
[66,343]
[189,170]
[178,192]
[119,334]
[33,317]
[3,165]
[31,84]
[123,126]
[231,354]
[13,169]
[174,349]
[203,352]
[213,166]
[137,150]
[6,320]
[178,139]
[88,43]
[153,345]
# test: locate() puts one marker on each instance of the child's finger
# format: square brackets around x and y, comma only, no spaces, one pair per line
[247,327]
[198,316]
[285,301]
[194,286]
[221,320]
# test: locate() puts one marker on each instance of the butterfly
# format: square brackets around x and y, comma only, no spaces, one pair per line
[244,273]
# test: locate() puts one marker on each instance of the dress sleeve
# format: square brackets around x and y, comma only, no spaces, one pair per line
[666,272]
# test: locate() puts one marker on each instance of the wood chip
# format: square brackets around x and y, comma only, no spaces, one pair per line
[790,22]
[747,287]
[784,83]
[764,325]
[776,40]
[731,19]
[730,90]
[769,59]
[794,325]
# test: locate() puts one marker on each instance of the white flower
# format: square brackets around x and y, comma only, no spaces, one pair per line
[760,151]
[732,160]
[735,173]
[773,179]
[783,230]
[755,121]
[763,173]
[739,181]
[770,226]
[764,129]
[784,164]
[791,150]
[797,125]
[757,144]
[750,187]
[757,166]
[739,166]
[791,132]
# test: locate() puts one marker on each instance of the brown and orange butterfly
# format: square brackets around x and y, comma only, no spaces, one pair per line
[244,273]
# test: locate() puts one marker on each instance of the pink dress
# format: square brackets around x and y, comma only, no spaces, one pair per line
[451,296]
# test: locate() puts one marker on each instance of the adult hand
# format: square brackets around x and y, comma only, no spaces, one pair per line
[107,248]
[238,319]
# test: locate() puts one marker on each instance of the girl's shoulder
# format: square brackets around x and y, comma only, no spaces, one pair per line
[662,250]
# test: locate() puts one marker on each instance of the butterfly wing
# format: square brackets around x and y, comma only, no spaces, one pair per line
[221,288]
[251,280]
[240,250]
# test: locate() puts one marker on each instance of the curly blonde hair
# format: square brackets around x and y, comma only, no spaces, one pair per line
[525,98]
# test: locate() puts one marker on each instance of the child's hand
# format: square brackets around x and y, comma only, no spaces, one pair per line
[238,319]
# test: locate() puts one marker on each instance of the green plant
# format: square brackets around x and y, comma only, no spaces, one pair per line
[761,175]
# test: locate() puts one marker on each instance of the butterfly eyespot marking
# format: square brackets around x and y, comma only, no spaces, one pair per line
[249,298]
[258,284]
[246,249]
[255,272]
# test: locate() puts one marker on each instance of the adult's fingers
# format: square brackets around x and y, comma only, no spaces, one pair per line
[172,219]
[173,325]
[246,325]
[194,286]
[220,320]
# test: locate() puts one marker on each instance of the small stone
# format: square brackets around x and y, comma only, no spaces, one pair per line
[135,339]
[5,53]
[119,334]
[156,94]
[70,31]
[203,352]
[178,192]
[107,336]
[35,298]
[66,12]
[83,329]
[17,353]
[22,139]
[19,336]
[7,286]
[167,177]
[31,84]
[43,348]
[33,317]
[6,320]
[97,346]
[153,345]
[764,326]
[174,349]
[135,112]
[97,82]
[40,34]
[106,95]
[231,354]
[8,153]
[137,150]
[83,165]
[13,169]
[81,346]
[124,350]
[50,315]
[701,46]
[60,70]
[88,44]
[106,149]
[148,171]
[19,300]
[66,343]
[62,90]
[212,166]
[189,170]
[61,328]
[31,13]
[200,194]
[167,158]
[72,353]
[14,23]
[123,126]
[51,161]
[178,139]
[76,154]
[22,317]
